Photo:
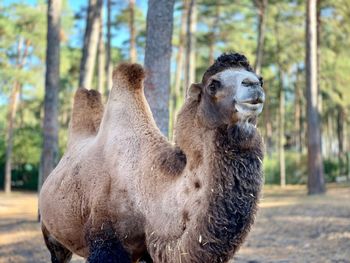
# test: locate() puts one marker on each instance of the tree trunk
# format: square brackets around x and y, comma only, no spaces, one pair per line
[316,184]
[318,21]
[132,54]
[267,122]
[177,91]
[108,68]
[11,115]
[212,35]
[88,58]
[9,145]
[330,135]
[157,59]
[190,67]
[49,155]
[340,130]
[282,159]
[297,113]
[281,117]
[101,59]
[261,5]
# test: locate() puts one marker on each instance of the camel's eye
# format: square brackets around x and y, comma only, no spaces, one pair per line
[213,87]
[248,83]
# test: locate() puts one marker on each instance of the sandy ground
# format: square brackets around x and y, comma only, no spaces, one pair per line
[290,227]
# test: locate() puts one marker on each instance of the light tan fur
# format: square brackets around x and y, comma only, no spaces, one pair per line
[121,173]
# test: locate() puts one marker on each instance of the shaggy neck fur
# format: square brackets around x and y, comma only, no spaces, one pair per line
[232,156]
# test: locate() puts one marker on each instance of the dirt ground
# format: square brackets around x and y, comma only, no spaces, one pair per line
[290,227]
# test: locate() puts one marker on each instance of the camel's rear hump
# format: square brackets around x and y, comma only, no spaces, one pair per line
[86,115]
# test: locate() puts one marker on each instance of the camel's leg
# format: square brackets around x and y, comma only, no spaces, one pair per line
[86,114]
[59,254]
[108,251]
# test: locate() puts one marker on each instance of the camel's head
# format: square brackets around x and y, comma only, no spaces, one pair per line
[230,92]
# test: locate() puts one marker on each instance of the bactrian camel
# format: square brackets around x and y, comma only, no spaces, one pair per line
[123,193]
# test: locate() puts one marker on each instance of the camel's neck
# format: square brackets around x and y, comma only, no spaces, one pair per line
[237,180]
[234,180]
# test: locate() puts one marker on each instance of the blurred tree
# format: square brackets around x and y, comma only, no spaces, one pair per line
[20,32]
[190,61]
[157,59]
[315,162]
[101,58]
[88,58]
[261,6]
[108,67]
[177,91]
[131,19]
[213,32]
[49,155]
[132,53]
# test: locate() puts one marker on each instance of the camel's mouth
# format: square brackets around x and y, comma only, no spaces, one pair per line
[250,102]
[250,107]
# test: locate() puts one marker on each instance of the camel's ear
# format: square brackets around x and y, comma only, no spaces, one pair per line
[195,91]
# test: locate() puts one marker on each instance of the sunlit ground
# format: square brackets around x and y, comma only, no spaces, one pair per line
[290,227]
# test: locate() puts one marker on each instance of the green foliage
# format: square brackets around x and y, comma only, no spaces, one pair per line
[22,24]
[296,168]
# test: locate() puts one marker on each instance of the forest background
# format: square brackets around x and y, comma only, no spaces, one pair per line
[273,34]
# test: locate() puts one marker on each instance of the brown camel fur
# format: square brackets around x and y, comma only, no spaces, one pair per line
[120,179]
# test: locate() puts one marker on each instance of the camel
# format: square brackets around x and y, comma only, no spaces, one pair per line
[123,193]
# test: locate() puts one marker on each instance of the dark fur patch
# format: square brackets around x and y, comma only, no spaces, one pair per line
[108,251]
[172,161]
[225,61]
[132,73]
[105,246]
[197,184]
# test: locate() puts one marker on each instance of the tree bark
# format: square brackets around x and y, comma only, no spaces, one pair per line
[157,59]
[190,66]
[132,51]
[330,135]
[11,115]
[101,59]
[261,5]
[177,91]
[281,117]
[282,159]
[318,21]
[88,58]
[267,122]
[49,155]
[340,131]
[316,184]
[297,113]
[10,129]
[108,68]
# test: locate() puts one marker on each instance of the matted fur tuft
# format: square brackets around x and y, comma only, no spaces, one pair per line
[133,74]
[225,61]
